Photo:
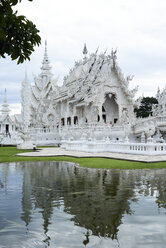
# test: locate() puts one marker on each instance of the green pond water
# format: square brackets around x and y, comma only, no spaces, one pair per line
[59,205]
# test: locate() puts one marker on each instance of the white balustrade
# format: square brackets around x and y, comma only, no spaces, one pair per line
[108,146]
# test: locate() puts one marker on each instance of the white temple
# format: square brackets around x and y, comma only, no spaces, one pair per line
[91,111]
[93,100]
[9,125]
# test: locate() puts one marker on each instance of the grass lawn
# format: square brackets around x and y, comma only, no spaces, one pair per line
[7,154]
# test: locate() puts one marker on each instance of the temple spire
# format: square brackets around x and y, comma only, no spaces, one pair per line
[5,97]
[26,100]
[45,53]
[85,51]
[46,63]
[158,93]
[158,90]
[5,106]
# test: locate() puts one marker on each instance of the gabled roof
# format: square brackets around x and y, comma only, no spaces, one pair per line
[6,118]
[93,71]
[18,118]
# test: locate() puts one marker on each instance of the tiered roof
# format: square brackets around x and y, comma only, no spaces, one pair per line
[91,73]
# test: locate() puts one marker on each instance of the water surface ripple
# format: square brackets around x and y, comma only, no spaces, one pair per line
[59,205]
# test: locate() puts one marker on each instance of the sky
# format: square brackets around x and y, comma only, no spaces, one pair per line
[136,28]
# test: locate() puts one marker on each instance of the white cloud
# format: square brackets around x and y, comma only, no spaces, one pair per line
[15,108]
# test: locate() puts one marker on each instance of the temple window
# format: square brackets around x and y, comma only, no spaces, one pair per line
[62,121]
[69,121]
[98,118]
[103,109]
[115,120]
[75,120]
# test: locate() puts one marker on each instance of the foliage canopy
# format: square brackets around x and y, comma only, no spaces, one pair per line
[145,108]
[18,35]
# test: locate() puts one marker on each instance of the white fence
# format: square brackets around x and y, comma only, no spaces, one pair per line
[45,136]
[107,146]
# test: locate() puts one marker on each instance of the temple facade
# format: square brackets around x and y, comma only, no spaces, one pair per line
[92,111]
[94,99]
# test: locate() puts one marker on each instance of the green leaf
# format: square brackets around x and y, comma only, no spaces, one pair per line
[2,34]
[18,34]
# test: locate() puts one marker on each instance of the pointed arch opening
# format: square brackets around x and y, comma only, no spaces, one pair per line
[110,109]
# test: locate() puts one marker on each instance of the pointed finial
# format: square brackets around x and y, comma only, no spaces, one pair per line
[158,93]
[46,63]
[5,97]
[5,106]
[45,53]
[25,80]
[113,54]
[85,51]
[46,49]
[45,45]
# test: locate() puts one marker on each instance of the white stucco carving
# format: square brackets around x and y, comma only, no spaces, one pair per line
[94,100]
[94,104]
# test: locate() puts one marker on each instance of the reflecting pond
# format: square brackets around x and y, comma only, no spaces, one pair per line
[60,205]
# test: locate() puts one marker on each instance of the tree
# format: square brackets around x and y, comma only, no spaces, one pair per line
[145,108]
[18,35]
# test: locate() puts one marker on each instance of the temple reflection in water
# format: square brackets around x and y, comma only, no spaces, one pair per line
[95,200]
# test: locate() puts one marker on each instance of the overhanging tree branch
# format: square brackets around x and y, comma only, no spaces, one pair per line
[18,35]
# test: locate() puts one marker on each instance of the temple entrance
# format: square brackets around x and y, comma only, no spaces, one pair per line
[7,128]
[104,118]
[110,111]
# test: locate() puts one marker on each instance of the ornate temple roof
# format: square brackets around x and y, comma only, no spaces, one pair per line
[93,72]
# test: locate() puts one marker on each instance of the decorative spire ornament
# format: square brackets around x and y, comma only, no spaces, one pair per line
[5,97]
[45,53]
[26,100]
[114,56]
[46,63]
[45,68]
[5,106]
[85,51]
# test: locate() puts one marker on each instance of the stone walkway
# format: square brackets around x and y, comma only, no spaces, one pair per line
[47,152]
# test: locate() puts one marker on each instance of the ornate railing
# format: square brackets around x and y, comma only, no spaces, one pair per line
[108,146]
[43,130]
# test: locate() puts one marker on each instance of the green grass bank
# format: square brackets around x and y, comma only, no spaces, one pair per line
[7,154]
